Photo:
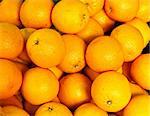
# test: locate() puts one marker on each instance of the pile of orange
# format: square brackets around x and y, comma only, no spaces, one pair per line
[74,57]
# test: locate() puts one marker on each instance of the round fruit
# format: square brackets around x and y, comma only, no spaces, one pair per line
[140,71]
[93,5]
[121,10]
[130,39]
[138,106]
[10,79]
[70,16]
[53,109]
[74,90]
[14,111]
[142,27]
[111,91]
[92,30]
[74,60]
[104,53]
[39,86]
[106,22]
[144,10]
[9,12]
[22,67]
[36,13]
[11,41]
[88,109]
[46,51]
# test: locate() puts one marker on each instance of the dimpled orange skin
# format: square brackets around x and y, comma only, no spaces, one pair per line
[104,53]
[106,22]
[74,90]
[10,17]
[108,94]
[70,16]
[51,46]
[45,80]
[36,13]
[53,109]
[93,5]
[74,60]
[10,78]
[138,106]
[121,10]
[92,30]
[89,109]
[131,40]
[140,72]
[11,41]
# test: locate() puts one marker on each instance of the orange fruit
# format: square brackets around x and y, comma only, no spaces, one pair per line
[130,39]
[36,13]
[51,46]
[14,111]
[11,101]
[53,109]
[11,41]
[88,109]
[102,18]
[10,78]
[93,5]
[57,72]
[111,91]
[70,16]
[10,17]
[103,54]
[142,27]
[74,60]
[22,67]
[90,73]
[121,10]
[140,71]
[46,82]
[144,10]
[26,32]
[137,90]
[56,99]
[138,106]
[92,30]
[74,90]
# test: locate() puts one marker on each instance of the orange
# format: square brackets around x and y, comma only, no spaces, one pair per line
[22,67]
[90,73]
[10,78]
[53,109]
[93,5]
[70,16]
[138,106]
[26,32]
[130,39]
[51,46]
[36,13]
[104,53]
[143,28]
[11,101]
[106,22]
[89,109]
[10,17]
[144,10]
[56,99]
[111,91]
[92,30]
[11,41]
[39,86]
[137,90]
[74,90]
[74,60]
[57,72]
[121,10]
[14,111]
[140,71]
